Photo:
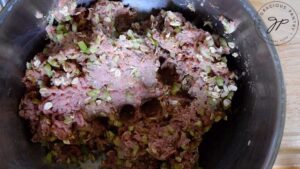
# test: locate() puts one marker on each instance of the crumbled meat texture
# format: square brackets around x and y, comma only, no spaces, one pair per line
[141,93]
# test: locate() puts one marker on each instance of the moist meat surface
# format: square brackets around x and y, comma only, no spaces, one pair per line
[141,93]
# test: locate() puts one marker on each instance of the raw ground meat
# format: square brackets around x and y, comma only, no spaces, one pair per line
[140,93]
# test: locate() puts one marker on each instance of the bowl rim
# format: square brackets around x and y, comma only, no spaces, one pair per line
[281,107]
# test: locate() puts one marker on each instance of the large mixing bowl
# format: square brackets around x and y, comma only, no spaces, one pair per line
[250,138]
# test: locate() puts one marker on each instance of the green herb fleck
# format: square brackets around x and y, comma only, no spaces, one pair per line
[59,37]
[106,96]
[53,63]
[153,41]
[117,141]
[83,47]
[110,135]
[208,69]
[61,29]
[175,88]
[198,123]
[223,43]
[49,157]
[230,95]
[178,159]
[219,80]
[68,120]
[94,93]
[74,27]
[131,128]
[145,139]
[93,49]
[177,166]
[118,123]
[48,70]
[68,18]
[178,29]
[218,118]
[36,101]
[130,34]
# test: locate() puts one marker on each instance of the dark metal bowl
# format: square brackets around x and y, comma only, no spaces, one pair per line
[251,137]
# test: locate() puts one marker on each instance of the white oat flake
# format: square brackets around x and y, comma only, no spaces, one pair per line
[38,15]
[235,54]
[231,45]
[48,106]
[75,81]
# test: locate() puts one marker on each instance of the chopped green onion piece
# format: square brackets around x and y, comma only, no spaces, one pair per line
[59,37]
[178,29]
[74,27]
[83,47]
[48,70]
[218,118]
[183,147]
[61,29]
[36,101]
[130,34]
[68,120]
[230,95]
[198,123]
[219,81]
[153,41]
[145,139]
[93,49]
[106,96]
[110,135]
[223,43]
[28,65]
[118,123]
[48,158]
[68,18]
[178,159]
[212,102]
[201,112]
[206,129]
[192,133]
[224,59]
[94,93]
[208,69]
[175,88]
[117,141]
[171,130]
[177,166]
[131,128]
[136,44]
[53,62]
